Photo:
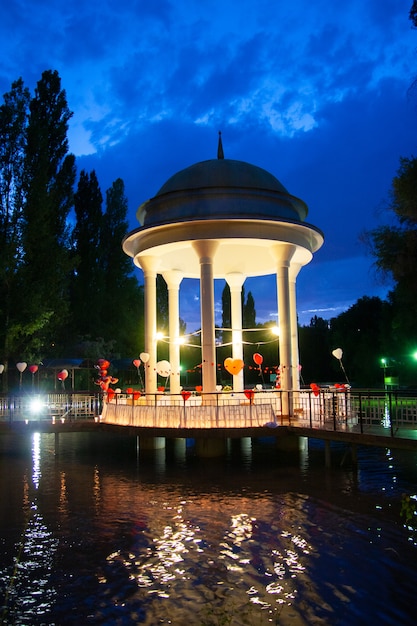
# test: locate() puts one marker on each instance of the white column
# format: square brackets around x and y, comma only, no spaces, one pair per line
[173,280]
[283,255]
[295,356]
[149,265]
[206,249]
[235,281]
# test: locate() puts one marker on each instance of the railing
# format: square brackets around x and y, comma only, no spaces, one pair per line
[325,409]
[54,406]
[328,409]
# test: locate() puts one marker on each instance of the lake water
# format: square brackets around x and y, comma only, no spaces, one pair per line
[102,534]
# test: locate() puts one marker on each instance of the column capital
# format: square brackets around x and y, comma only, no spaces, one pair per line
[283,253]
[173,278]
[235,280]
[149,264]
[205,248]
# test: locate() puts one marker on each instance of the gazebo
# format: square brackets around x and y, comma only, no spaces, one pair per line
[221,219]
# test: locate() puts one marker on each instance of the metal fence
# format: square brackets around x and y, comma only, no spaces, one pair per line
[325,408]
[53,406]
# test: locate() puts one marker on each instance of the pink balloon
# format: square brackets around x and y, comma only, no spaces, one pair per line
[136,363]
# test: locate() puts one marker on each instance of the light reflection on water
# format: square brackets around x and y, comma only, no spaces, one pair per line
[100,535]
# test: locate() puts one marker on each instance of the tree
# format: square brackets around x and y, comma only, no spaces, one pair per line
[48,178]
[315,351]
[360,332]
[88,278]
[395,250]
[123,297]
[413,13]
[13,123]
[249,312]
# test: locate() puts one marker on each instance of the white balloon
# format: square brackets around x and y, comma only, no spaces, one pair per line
[163,368]
[144,357]
[21,366]
[1,368]
[338,353]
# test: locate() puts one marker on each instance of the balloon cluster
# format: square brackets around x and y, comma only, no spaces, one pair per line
[104,380]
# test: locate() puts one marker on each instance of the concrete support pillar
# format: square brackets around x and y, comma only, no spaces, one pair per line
[210,448]
[327,454]
[151,443]
[283,255]
[235,281]
[149,265]
[295,357]
[173,280]
[206,250]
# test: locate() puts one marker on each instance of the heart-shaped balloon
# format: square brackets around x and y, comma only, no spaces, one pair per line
[249,393]
[199,388]
[1,368]
[185,395]
[21,366]
[33,369]
[233,366]
[136,362]
[144,356]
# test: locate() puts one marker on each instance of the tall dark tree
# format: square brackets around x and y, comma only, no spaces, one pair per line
[394,248]
[13,123]
[49,180]
[249,312]
[123,299]
[88,280]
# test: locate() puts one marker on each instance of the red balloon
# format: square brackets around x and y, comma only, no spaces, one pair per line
[136,362]
[185,395]
[136,395]
[129,390]
[258,358]
[62,375]
[199,388]
[33,369]
[249,393]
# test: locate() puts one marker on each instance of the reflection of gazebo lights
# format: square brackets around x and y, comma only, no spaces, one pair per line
[221,219]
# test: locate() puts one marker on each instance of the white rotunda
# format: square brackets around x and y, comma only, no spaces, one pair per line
[224,219]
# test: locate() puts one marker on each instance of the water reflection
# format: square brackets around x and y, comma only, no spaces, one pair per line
[111,536]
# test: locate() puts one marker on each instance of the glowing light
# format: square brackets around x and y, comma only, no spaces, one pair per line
[36,405]
[159,335]
[275,330]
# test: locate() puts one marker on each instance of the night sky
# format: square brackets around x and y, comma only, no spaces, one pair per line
[317,93]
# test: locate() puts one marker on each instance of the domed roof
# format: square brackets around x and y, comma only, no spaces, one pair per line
[221,189]
[222,173]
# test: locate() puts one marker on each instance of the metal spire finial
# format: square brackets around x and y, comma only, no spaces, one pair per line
[220,153]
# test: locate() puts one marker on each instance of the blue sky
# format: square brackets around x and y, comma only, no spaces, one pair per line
[318,93]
